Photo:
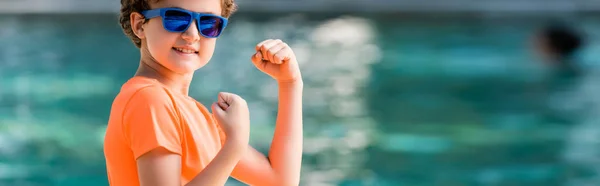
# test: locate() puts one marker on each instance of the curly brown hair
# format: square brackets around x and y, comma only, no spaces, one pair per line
[130,6]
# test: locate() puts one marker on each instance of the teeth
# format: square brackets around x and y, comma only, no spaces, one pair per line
[185,50]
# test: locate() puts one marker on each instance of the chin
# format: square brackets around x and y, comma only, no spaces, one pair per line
[185,67]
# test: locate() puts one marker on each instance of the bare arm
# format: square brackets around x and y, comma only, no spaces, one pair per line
[282,168]
[219,169]
[286,149]
[160,167]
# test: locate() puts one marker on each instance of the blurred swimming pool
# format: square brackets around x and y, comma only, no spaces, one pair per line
[419,101]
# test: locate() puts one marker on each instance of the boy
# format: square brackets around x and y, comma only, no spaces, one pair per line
[158,135]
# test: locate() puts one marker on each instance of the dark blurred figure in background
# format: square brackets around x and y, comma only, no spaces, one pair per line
[572,100]
[558,45]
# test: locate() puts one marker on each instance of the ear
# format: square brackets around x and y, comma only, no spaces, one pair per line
[137,24]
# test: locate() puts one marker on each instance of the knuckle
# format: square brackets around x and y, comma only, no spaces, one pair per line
[279,55]
[272,51]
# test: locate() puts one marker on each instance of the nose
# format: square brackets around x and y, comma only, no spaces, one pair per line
[191,34]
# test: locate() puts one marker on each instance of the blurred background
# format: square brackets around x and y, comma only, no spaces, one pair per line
[397,92]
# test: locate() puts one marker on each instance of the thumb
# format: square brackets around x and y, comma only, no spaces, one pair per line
[257,59]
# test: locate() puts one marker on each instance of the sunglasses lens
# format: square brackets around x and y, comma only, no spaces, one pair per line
[176,21]
[210,26]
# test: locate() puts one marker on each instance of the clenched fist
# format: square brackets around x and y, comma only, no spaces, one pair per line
[231,113]
[276,58]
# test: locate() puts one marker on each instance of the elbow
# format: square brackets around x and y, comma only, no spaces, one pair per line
[284,177]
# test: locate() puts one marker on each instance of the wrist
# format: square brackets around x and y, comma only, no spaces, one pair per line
[237,140]
[235,146]
[233,150]
[292,82]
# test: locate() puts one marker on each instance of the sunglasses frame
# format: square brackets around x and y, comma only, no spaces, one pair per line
[194,16]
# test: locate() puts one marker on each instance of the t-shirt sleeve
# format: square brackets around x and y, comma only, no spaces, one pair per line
[150,121]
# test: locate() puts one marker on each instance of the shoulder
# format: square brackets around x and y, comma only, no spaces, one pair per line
[145,102]
[150,108]
[143,93]
[151,94]
[151,98]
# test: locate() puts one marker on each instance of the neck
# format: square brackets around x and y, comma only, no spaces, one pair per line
[150,68]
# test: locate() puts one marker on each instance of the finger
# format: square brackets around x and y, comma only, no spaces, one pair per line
[217,111]
[275,50]
[261,44]
[225,97]
[223,105]
[265,45]
[257,59]
[230,99]
[265,48]
[282,56]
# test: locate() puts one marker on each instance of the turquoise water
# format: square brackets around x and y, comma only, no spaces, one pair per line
[419,101]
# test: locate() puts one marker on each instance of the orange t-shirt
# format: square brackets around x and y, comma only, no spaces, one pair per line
[146,115]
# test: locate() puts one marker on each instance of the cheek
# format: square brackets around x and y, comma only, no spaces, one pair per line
[207,48]
[159,44]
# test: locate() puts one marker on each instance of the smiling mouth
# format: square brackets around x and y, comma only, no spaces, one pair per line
[185,51]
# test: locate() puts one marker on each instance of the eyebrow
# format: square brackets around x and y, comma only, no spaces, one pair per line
[195,11]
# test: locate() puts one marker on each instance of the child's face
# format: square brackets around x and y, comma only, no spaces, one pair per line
[162,44]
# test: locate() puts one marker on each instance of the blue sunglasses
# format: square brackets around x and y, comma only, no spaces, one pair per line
[179,20]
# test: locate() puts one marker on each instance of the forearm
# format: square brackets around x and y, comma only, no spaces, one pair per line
[285,154]
[219,169]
